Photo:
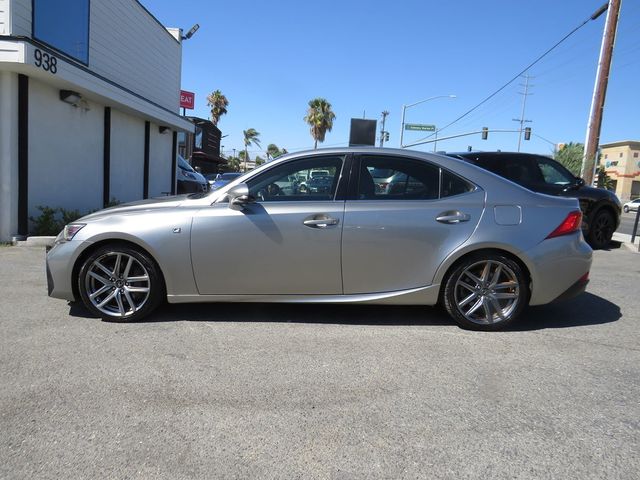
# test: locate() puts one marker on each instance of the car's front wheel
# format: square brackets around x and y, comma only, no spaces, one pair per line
[626,209]
[486,291]
[120,284]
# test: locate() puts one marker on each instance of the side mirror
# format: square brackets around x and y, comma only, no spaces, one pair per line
[239,196]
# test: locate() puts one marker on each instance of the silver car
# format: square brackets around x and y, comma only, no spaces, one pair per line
[481,246]
[631,206]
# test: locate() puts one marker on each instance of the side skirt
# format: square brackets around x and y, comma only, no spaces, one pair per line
[416,296]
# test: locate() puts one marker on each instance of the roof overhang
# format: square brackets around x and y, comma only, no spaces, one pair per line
[624,143]
[17,55]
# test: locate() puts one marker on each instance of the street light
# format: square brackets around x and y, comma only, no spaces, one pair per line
[404,108]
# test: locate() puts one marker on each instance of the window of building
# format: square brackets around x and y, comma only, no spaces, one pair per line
[606,155]
[635,154]
[63,25]
[620,154]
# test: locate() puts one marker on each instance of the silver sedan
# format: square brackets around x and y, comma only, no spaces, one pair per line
[449,233]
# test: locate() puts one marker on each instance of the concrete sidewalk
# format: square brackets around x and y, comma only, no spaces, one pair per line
[625,240]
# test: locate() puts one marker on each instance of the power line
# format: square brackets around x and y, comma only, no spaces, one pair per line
[595,15]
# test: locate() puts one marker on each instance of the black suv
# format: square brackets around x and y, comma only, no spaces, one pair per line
[601,208]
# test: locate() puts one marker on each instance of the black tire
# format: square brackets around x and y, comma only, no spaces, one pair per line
[468,289]
[626,209]
[120,284]
[601,228]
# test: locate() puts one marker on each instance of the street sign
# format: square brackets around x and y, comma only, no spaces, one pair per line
[419,127]
[187,99]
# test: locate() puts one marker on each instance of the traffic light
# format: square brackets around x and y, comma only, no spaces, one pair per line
[485,133]
[527,133]
[386,136]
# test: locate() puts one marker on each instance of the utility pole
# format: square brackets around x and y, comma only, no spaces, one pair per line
[382,132]
[600,90]
[522,120]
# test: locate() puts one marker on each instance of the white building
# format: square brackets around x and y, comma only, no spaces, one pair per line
[89,102]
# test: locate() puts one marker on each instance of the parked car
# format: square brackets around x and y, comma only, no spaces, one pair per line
[601,208]
[223,178]
[189,181]
[631,206]
[478,244]
[320,184]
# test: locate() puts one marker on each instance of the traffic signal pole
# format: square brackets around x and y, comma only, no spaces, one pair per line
[600,90]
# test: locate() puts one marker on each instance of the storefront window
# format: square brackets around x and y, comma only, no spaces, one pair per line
[63,25]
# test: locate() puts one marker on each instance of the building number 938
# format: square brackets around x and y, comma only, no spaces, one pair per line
[47,62]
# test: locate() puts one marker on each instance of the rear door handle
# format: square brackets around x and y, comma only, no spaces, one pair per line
[320,221]
[453,217]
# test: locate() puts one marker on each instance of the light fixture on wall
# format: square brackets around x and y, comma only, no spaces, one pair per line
[163,129]
[70,97]
[190,33]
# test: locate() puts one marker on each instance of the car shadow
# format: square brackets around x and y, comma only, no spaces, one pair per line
[346,314]
[586,309]
[613,245]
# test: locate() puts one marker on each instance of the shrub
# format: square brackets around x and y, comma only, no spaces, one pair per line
[52,220]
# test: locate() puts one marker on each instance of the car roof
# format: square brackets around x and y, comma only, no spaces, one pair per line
[485,155]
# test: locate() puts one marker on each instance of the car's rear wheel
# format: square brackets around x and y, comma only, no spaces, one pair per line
[486,291]
[601,229]
[120,284]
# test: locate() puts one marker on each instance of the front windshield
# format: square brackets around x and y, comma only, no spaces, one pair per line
[184,165]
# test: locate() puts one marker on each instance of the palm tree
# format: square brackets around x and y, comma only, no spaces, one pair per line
[250,137]
[320,118]
[273,151]
[570,155]
[233,163]
[218,103]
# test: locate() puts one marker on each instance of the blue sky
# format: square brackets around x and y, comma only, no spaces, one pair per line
[271,58]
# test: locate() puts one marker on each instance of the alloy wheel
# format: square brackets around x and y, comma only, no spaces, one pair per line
[487,292]
[602,229]
[117,284]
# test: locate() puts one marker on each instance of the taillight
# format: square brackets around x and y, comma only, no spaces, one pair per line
[569,225]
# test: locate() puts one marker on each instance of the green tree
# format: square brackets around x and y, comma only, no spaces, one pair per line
[259,160]
[250,138]
[604,180]
[273,151]
[320,118]
[233,163]
[218,103]
[571,157]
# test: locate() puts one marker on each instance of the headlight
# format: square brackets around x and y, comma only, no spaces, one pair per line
[69,232]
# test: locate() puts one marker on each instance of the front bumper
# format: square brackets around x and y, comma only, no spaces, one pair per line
[60,261]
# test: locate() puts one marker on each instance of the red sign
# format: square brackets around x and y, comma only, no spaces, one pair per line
[187,99]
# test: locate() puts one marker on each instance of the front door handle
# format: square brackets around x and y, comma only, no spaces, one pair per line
[454,216]
[320,221]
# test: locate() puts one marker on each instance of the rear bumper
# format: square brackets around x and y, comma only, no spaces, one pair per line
[573,291]
[557,265]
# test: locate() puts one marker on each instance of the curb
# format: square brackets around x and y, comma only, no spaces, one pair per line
[35,242]
[625,240]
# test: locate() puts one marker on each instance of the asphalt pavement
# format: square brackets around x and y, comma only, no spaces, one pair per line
[299,391]
[626,223]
